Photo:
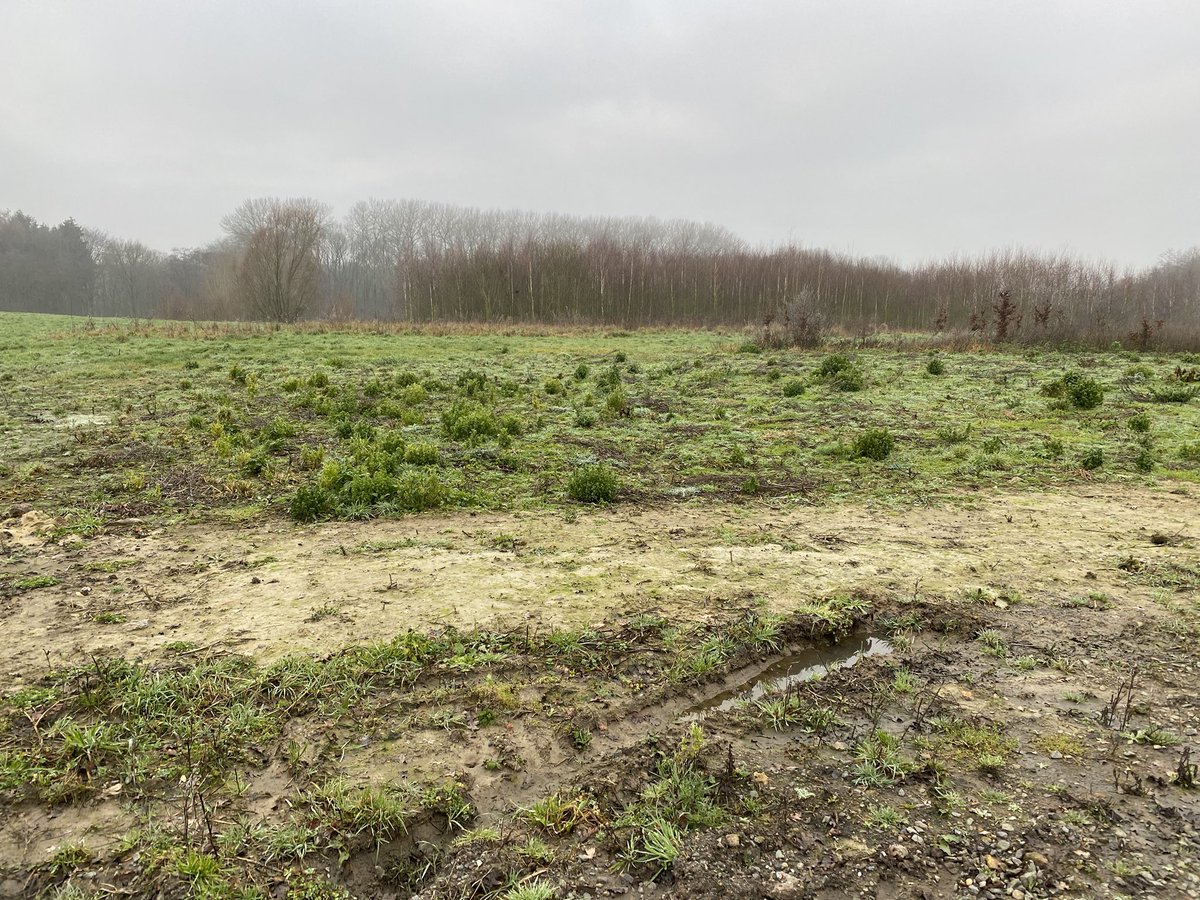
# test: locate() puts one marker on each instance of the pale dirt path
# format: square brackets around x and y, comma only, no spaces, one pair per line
[208,584]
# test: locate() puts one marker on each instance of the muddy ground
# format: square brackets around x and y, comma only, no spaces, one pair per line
[1039,697]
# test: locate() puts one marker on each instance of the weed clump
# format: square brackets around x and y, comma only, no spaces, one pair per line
[876,444]
[593,484]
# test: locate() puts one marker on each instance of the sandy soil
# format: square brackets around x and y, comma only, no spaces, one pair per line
[280,589]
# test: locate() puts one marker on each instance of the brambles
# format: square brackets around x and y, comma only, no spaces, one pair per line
[593,484]
[876,444]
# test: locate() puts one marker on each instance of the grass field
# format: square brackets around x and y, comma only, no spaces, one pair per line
[372,612]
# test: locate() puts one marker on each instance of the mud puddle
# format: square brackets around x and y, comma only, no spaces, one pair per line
[794,669]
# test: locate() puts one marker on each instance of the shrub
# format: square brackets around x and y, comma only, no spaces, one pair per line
[1090,459]
[593,484]
[793,387]
[416,491]
[422,455]
[581,372]
[935,367]
[1076,389]
[1174,393]
[617,403]
[310,503]
[851,379]
[1144,461]
[469,421]
[1139,423]
[795,323]
[553,386]
[834,363]
[584,418]
[318,380]
[875,444]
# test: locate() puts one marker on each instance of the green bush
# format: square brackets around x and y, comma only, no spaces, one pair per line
[793,387]
[1139,423]
[935,367]
[1076,389]
[593,484]
[1092,458]
[422,455]
[1174,393]
[849,379]
[311,503]
[469,421]
[834,363]
[416,491]
[875,444]
[581,372]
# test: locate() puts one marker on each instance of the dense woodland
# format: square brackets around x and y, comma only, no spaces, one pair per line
[287,260]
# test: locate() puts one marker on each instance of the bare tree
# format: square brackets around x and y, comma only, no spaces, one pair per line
[279,276]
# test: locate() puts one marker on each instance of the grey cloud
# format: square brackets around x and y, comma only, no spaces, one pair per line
[910,130]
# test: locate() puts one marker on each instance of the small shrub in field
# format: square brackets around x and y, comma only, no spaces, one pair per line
[851,379]
[617,403]
[1092,458]
[553,387]
[773,375]
[593,484]
[1077,390]
[834,363]
[311,503]
[1174,393]
[421,455]
[469,421]
[1052,448]
[1144,461]
[752,485]
[793,387]
[875,444]
[318,380]
[1190,452]
[584,418]
[416,491]
[237,374]
[935,367]
[581,372]
[311,458]
[620,356]
[1139,423]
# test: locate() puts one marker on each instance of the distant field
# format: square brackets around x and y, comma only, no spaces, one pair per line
[126,422]
[448,613]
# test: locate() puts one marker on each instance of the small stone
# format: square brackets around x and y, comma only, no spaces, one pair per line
[1054,754]
[732,840]
[992,863]
[898,851]
[1038,858]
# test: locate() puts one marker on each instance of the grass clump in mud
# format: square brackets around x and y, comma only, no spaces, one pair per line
[593,484]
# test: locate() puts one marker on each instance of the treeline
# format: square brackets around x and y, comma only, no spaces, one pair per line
[285,260]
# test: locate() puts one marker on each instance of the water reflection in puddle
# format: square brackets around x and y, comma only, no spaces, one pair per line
[796,669]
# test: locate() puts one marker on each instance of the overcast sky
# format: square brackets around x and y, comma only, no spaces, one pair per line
[904,129]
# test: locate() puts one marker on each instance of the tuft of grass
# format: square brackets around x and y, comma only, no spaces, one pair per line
[596,483]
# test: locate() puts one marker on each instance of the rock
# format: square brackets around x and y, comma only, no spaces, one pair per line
[787,887]
[1039,859]
[992,863]
[732,840]
[898,851]
[1054,754]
